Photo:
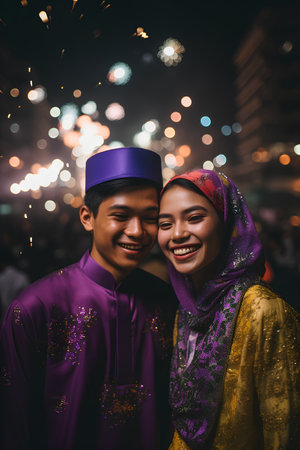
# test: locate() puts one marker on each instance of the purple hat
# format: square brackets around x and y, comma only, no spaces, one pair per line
[128,162]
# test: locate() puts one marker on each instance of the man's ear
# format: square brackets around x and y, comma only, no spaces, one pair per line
[86,218]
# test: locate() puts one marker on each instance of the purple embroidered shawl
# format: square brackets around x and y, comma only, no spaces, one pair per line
[206,322]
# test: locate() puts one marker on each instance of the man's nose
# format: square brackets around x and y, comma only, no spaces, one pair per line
[135,227]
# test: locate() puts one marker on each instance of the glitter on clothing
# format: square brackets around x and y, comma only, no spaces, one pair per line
[67,333]
[159,327]
[119,403]
[5,378]
[17,315]
[61,405]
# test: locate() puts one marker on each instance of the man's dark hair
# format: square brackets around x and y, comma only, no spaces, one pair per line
[96,194]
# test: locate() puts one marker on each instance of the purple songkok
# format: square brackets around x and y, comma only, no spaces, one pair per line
[128,162]
[206,320]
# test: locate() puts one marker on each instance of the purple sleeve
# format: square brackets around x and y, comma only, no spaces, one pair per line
[21,381]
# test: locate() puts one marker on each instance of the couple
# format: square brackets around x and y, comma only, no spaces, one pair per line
[85,352]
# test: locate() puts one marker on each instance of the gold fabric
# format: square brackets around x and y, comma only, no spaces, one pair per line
[261,399]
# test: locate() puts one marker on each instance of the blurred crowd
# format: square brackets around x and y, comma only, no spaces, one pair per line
[34,247]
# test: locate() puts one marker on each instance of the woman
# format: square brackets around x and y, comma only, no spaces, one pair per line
[235,375]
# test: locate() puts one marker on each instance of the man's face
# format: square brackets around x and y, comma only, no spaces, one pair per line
[124,230]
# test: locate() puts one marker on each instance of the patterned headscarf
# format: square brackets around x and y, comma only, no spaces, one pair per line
[206,321]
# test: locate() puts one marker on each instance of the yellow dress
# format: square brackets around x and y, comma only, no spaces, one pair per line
[261,399]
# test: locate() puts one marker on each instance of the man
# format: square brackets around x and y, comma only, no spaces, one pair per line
[85,351]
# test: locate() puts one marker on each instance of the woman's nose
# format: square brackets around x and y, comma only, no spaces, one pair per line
[179,232]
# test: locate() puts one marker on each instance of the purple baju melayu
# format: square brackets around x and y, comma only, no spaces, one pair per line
[84,362]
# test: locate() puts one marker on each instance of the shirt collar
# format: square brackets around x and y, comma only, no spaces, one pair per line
[96,272]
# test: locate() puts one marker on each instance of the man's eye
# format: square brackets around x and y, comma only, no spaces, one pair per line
[120,217]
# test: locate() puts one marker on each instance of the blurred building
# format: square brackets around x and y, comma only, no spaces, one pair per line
[267,65]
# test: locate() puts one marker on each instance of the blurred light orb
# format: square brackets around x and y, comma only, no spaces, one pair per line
[115,111]
[170,160]
[71,138]
[226,130]
[65,175]
[50,205]
[186,101]
[169,132]
[89,107]
[15,188]
[184,151]
[53,133]
[168,144]
[205,121]
[287,46]
[142,139]
[14,161]
[37,95]
[41,144]
[208,165]
[14,92]
[179,160]
[295,221]
[220,160]
[68,197]
[24,186]
[284,159]
[83,121]
[43,16]
[207,139]
[297,149]
[71,183]
[55,111]
[80,161]
[77,151]
[120,73]
[151,126]
[14,128]
[171,52]
[236,127]
[76,201]
[35,168]
[168,173]
[296,185]
[175,116]
[116,144]
[69,114]
[77,93]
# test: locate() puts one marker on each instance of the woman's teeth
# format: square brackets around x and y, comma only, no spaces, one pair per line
[184,251]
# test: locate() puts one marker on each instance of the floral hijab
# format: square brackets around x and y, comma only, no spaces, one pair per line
[206,321]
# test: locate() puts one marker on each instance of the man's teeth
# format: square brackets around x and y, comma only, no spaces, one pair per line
[131,247]
[184,251]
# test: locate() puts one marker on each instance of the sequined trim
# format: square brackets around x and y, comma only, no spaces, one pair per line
[67,333]
[5,378]
[120,403]
[17,315]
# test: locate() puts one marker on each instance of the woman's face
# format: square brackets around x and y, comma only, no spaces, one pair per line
[190,231]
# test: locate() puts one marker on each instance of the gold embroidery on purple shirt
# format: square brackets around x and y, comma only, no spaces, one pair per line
[61,405]
[119,404]
[155,324]
[5,378]
[67,333]
[17,315]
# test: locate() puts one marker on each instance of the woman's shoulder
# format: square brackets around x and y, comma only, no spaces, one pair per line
[260,301]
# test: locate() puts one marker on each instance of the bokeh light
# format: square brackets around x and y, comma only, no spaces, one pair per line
[168,173]
[207,139]
[171,52]
[142,139]
[175,116]
[186,101]
[208,165]
[170,160]
[205,121]
[226,130]
[14,161]
[179,160]
[297,149]
[14,128]
[89,107]
[169,132]
[37,95]
[151,126]
[184,150]
[50,205]
[295,221]
[120,73]
[55,111]
[77,93]
[220,160]
[14,92]
[115,111]
[236,127]
[284,159]
[53,133]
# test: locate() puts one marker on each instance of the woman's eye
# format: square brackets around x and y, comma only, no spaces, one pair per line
[164,225]
[196,218]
